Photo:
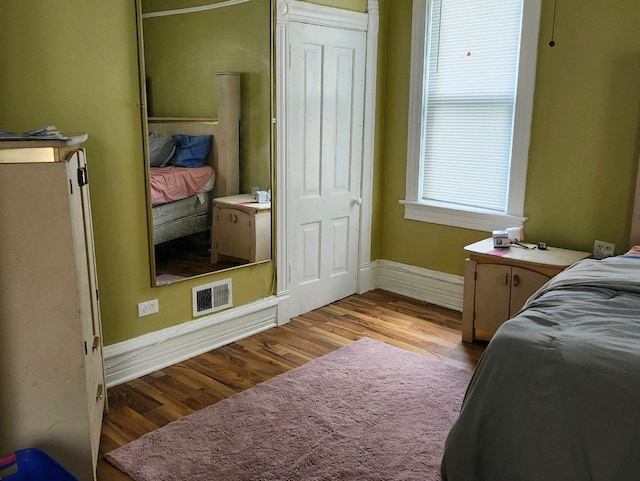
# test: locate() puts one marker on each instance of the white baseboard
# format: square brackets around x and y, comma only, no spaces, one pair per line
[142,355]
[435,287]
[368,276]
[283,307]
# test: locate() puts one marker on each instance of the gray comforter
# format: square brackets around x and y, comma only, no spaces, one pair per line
[556,395]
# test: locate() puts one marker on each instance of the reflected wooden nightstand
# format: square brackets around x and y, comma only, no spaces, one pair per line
[241,229]
[497,282]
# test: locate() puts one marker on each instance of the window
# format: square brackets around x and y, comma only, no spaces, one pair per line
[471,95]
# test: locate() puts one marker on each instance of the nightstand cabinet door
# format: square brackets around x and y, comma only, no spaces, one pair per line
[492,296]
[234,233]
[524,283]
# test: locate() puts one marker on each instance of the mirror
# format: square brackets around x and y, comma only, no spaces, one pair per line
[206,74]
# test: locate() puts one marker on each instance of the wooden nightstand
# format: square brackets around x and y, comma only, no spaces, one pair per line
[241,229]
[497,282]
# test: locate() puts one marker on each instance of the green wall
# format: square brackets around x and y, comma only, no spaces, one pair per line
[356,5]
[74,64]
[585,135]
[584,144]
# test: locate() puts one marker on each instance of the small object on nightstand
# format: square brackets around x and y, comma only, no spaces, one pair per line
[500,238]
[516,234]
[524,246]
[542,246]
[262,196]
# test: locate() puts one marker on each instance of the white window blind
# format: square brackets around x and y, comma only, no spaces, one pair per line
[472,55]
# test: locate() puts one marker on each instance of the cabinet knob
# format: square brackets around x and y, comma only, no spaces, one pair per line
[505,279]
[233,218]
[516,280]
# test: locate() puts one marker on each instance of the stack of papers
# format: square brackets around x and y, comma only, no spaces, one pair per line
[44,133]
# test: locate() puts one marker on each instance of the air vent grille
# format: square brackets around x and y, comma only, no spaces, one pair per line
[212,297]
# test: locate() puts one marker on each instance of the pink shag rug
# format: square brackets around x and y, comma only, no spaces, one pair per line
[368,411]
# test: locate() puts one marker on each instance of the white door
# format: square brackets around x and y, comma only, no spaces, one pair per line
[325,118]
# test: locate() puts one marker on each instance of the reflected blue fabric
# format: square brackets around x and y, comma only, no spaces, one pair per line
[192,150]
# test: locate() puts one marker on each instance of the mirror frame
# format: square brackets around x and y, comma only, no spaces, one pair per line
[143,106]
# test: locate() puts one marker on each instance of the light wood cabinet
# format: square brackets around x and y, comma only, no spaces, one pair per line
[497,283]
[241,229]
[52,386]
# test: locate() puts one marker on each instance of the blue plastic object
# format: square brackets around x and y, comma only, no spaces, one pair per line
[32,465]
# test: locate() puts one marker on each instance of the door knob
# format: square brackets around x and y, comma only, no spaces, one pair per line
[357,201]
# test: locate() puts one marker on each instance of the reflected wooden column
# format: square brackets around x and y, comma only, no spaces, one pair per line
[228,142]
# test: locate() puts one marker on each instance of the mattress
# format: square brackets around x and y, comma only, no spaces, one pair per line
[190,207]
[180,228]
[180,218]
[169,184]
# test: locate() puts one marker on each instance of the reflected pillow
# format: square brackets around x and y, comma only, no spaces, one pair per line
[192,150]
[161,149]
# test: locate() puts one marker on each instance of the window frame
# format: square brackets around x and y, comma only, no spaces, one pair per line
[417,209]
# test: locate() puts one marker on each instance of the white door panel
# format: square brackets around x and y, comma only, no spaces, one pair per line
[325,111]
[309,243]
[339,239]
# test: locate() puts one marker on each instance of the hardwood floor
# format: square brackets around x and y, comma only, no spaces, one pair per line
[187,256]
[147,403]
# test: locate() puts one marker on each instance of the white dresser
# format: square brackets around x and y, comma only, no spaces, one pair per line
[52,384]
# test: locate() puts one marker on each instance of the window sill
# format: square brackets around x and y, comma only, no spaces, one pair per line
[459,218]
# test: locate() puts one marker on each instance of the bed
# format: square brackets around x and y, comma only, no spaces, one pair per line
[182,191]
[556,395]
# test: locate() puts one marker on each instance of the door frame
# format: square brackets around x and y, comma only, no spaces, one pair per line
[288,11]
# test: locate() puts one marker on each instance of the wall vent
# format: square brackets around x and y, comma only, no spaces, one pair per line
[211,297]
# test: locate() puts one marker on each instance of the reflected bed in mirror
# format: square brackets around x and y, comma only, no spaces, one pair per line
[192,162]
[181,51]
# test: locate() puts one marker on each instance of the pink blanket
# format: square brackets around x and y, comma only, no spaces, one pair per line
[169,184]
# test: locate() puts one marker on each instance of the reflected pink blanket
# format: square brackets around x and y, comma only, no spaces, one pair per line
[169,184]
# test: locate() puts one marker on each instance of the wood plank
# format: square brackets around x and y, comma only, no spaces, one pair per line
[145,404]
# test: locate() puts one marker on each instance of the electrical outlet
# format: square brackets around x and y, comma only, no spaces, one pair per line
[603,249]
[147,308]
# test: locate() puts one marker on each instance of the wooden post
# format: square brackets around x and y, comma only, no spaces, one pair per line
[228,142]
